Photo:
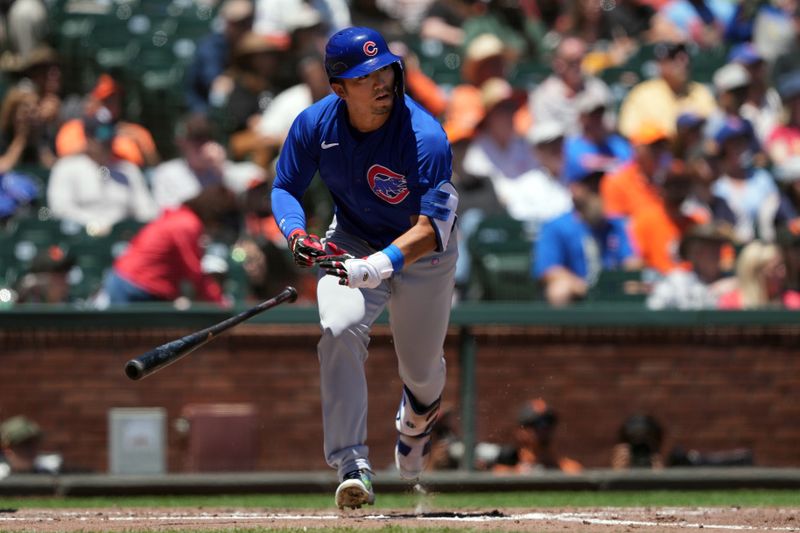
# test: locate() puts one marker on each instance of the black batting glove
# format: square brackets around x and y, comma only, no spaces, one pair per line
[305,248]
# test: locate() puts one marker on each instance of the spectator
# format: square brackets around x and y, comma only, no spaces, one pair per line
[513,22]
[750,192]
[572,249]
[609,43]
[96,189]
[21,447]
[701,21]
[639,444]
[444,20]
[699,280]
[659,101]
[131,142]
[497,151]
[168,251]
[46,279]
[277,118]
[557,96]
[273,18]
[42,69]
[596,145]
[539,194]
[23,28]
[202,163]
[213,54]
[631,186]
[760,280]
[784,141]
[787,212]
[732,83]
[657,230]
[534,447]
[253,86]
[785,57]
[762,107]
[789,243]
[23,139]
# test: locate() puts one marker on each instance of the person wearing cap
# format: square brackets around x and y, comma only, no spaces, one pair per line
[213,53]
[732,84]
[661,99]
[95,188]
[749,191]
[596,144]
[557,96]
[252,76]
[699,279]
[497,151]
[202,163]
[762,107]
[534,446]
[20,449]
[571,250]
[539,194]
[630,187]
[784,141]
[132,142]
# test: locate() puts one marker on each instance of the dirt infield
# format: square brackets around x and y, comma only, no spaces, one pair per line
[627,519]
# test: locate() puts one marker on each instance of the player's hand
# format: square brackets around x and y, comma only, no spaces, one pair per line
[305,248]
[355,273]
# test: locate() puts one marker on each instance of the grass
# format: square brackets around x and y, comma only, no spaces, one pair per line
[446,501]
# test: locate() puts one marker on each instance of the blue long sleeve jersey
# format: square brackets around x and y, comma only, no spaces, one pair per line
[376,179]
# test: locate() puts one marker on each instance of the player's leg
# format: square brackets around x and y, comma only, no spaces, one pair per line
[419,312]
[346,316]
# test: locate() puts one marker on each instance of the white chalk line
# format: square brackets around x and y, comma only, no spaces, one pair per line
[593,518]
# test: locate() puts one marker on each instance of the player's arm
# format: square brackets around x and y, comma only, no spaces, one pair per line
[296,167]
[430,231]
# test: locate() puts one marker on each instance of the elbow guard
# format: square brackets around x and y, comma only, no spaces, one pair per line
[440,205]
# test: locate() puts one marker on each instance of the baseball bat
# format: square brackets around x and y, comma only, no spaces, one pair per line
[166,354]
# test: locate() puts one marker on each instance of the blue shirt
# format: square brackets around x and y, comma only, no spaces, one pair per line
[209,61]
[570,242]
[583,157]
[376,181]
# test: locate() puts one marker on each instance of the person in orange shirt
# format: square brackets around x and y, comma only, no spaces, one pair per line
[631,187]
[657,231]
[534,445]
[132,142]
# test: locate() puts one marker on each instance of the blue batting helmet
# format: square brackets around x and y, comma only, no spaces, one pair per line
[357,51]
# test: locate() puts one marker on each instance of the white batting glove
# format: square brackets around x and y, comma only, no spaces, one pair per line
[366,273]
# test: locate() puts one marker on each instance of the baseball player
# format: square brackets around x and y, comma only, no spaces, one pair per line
[387,164]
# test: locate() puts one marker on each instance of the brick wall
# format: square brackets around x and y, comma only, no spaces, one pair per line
[713,389]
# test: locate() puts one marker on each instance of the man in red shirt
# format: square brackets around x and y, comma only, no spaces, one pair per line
[168,251]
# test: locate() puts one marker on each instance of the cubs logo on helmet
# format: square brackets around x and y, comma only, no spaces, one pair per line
[388,185]
[370,48]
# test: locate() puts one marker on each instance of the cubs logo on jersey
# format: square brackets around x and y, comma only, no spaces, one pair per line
[388,185]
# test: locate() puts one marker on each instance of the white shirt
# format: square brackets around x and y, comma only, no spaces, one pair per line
[174,182]
[533,197]
[82,191]
[550,101]
[279,115]
[484,157]
[276,16]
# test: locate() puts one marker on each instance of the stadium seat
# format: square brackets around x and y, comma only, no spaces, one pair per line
[501,261]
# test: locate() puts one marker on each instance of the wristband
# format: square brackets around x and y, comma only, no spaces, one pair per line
[395,256]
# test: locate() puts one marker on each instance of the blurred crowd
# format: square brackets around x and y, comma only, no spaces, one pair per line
[586,121]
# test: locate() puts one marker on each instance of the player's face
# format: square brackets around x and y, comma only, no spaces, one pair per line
[372,94]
